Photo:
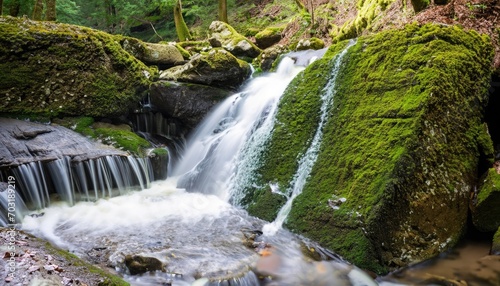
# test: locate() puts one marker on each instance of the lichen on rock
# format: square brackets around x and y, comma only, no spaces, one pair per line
[225,36]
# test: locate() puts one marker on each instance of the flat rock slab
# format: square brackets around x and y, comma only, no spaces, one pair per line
[24,142]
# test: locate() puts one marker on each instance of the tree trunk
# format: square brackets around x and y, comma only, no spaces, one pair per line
[180,24]
[223,10]
[14,8]
[50,14]
[37,10]
[1,7]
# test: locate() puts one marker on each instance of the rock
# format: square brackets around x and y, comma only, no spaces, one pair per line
[268,37]
[216,68]
[50,69]
[310,44]
[386,145]
[185,101]
[495,246]
[484,209]
[163,55]
[269,56]
[225,36]
[24,142]
[137,264]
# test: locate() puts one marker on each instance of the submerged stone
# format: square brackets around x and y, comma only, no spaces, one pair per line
[137,264]
[401,147]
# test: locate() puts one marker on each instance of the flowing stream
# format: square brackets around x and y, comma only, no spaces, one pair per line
[187,222]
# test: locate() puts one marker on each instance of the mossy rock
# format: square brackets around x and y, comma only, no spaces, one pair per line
[118,136]
[225,36]
[369,11]
[161,54]
[268,37]
[310,44]
[485,207]
[54,69]
[218,68]
[402,145]
[419,5]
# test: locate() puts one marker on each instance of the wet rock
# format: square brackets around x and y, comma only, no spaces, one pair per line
[24,142]
[225,36]
[217,68]
[269,57]
[185,101]
[485,211]
[137,264]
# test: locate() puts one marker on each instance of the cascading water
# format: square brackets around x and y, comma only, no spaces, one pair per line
[193,234]
[81,181]
[209,162]
[307,161]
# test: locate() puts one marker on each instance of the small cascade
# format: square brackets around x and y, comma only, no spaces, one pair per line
[307,161]
[40,183]
[211,155]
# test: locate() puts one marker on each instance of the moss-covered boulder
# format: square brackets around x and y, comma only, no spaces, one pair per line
[400,150]
[310,44]
[486,205]
[217,68]
[268,37]
[53,69]
[268,57]
[154,54]
[187,102]
[225,36]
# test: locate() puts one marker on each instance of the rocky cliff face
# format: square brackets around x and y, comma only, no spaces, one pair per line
[399,156]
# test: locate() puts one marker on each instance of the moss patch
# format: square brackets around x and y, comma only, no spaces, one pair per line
[485,211]
[401,140]
[55,69]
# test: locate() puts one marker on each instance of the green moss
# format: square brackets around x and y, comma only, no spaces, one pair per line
[109,279]
[121,138]
[53,69]
[162,152]
[269,32]
[485,214]
[266,204]
[397,142]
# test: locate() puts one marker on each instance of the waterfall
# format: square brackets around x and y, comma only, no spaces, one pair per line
[212,157]
[307,161]
[71,181]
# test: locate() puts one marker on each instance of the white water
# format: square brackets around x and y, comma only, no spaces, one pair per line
[245,119]
[307,161]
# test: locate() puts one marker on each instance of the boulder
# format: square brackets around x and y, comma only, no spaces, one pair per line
[484,207]
[25,142]
[153,54]
[310,44]
[225,36]
[400,147]
[217,68]
[187,102]
[52,69]
[268,37]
